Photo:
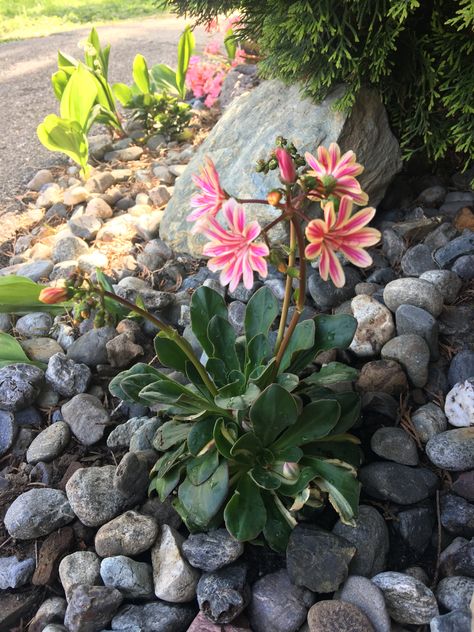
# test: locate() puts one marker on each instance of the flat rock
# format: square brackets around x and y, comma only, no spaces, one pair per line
[8,431]
[157,616]
[457,515]
[398,483]
[121,435]
[37,512]
[326,296]
[279,109]
[90,348]
[337,616]
[223,594]
[455,621]
[86,417]
[428,420]
[408,600]
[91,608]
[15,573]
[463,245]
[133,579]
[375,326]
[412,291]
[446,282]
[452,450]
[455,593]
[40,349]
[364,594]
[412,352]
[49,444]
[386,376]
[458,558]
[414,320]
[213,550]
[79,568]
[34,324]
[41,177]
[394,444]
[19,386]
[67,377]
[131,533]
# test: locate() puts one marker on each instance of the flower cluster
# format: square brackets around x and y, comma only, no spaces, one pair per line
[331,179]
[205,77]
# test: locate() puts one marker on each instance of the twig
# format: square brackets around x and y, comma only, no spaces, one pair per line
[438,546]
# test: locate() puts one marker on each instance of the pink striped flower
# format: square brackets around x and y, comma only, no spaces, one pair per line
[342,233]
[286,165]
[233,251]
[337,173]
[209,202]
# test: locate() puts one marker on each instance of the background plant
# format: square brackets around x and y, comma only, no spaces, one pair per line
[418,54]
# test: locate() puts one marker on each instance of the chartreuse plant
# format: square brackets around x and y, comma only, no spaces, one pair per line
[252,433]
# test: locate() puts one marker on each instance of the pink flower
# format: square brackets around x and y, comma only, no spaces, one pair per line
[207,203]
[233,251]
[336,173]
[287,166]
[343,234]
[52,295]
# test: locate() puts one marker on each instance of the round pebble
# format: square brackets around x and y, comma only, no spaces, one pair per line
[412,291]
[49,444]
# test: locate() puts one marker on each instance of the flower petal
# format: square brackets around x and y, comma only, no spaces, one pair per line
[358,256]
[336,271]
[357,221]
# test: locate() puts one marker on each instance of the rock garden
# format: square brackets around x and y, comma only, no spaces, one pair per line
[227,404]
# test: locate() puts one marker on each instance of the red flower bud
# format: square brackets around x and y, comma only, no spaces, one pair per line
[52,295]
[287,166]
[274,198]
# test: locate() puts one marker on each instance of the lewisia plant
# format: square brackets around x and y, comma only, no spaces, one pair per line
[254,432]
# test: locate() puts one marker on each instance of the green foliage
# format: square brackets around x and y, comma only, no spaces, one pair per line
[260,443]
[19,295]
[419,55]
[11,352]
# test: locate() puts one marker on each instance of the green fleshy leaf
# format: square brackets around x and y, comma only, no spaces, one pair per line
[265,478]
[169,353]
[225,435]
[261,311]
[238,402]
[245,514]
[272,412]
[202,467]
[332,373]
[169,434]
[315,421]
[222,336]
[277,530]
[200,435]
[301,340]
[202,502]
[205,304]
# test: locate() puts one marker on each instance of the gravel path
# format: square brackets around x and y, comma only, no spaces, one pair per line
[26,96]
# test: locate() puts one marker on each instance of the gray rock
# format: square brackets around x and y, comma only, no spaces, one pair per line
[414,320]
[79,568]
[455,621]
[455,200]
[49,194]
[15,573]
[69,247]
[154,617]
[446,282]
[86,417]
[51,611]
[49,444]
[394,444]
[8,431]
[318,560]
[332,615]
[463,245]
[124,155]
[326,296]
[29,417]
[412,352]
[213,550]
[93,497]
[457,515]
[398,483]
[131,477]
[458,558]
[408,600]
[41,177]
[364,594]
[455,593]
[129,534]
[133,579]
[37,512]
[154,255]
[91,608]
[429,420]
[162,512]
[121,435]
[175,580]
[412,291]
[432,196]
[66,377]
[459,404]
[464,485]
[122,351]
[91,348]
[152,299]
[414,528]
[277,605]
[40,349]
[36,270]
[5,323]
[242,125]
[63,270]
[159,195]
[97,207]
[75,195]
[452,450]
[464,267]
[19,386]
[142,438]
[54,627]
[223,594]
[99,144]
[148,225]
[85,226]
[35,324]
[417,260]
[393,246]
[236,315]
[375,326]
[461,367]
[370,537]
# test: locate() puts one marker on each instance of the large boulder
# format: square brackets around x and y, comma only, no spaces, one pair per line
[247,132]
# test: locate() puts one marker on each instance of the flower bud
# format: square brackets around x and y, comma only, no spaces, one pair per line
[274,198]
[52,295]
[290,470]
[287,166]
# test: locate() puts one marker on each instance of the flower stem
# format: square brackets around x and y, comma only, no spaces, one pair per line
[288,289]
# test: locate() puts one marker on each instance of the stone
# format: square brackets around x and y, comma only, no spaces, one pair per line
[40,349]
[326,296]
[121,435]
[67,377]
[35,324]
[97,207]
[8,431]
[398,483]
[412,352]
[129,534]
[19,386]
[432,196]
[318,560]
[414,320]
[35,270]
[382,375]
[93,497]
[202,624]
[122,351]
[464,267]
[457,515]
[153,300]
[446,282]
[37,512]
[91,608]
[464,485]
[126,154]
[69,247]
[159,195]
[157,616]
[85,226]
[361,592]
[15,573]
[393,246]
[51,611]
[223,594]
[213,550]
[41,177]
[277,604]
[417,260]
[50,193]
[90,348]
[428,421]
[455,593]
[412,532]
[268,108]
[457,558]
[394,444]
[133,579]
[175,580]
[86,417]
[162,512]
[412,291]
[461,367]
[49,444]
[148,226]
[455,200]
[370,537]
[154,255]
[18,607]
[63,270]
[463,245]
[337,616]
[459,404]
[131,477]
[53,548]
[408,600]
[75,195]
[5,323]
[452,450]
[79,568]
[142,438]
[236,316]
[455,621]
[375,326]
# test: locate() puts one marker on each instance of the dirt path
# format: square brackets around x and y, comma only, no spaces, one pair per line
[26,96]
